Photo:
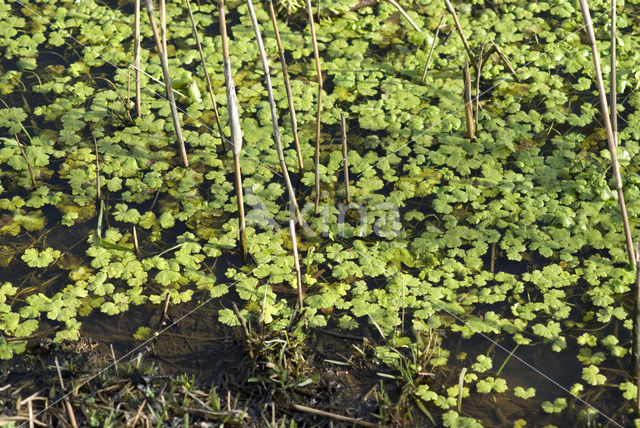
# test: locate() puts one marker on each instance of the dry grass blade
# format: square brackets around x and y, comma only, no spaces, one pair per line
[167,82]
[287,85]
[607,124]
[194,26]
[274,113]
[234,122]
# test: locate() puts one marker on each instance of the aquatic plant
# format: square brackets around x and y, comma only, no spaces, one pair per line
[513,236]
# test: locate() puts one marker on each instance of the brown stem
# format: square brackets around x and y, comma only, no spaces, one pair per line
[287,85]
[506,61]
[24,155]
[479,65]
[607,124]
[206,72]
[167,81]
[468,104]
[452,11]
[433,46]
[316,55]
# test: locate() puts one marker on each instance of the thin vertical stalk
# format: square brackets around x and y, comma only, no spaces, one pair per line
[136,58]
[316,55]
[614,78]
[607,124]
[345,159]
[234,123]
[296,260]
[433,46]
[636,335]
[136,245]
[402,303]
[167,81]
[274,113]
[24,155]
[98,185]
[468,104]
[452,11]
[287,85]
[206,72]
[479,64]
[163,27]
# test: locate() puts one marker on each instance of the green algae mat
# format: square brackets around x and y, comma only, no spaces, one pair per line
[493,271]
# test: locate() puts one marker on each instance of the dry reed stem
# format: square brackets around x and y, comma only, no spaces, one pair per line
[479,65]
[24,155]
[316,55]
[167,82]
[67,403]
[274,113]
[433,46]
[505,61]
[614,76]
[136,57]
[452,11]
[234,123]
[296,260]
[395,4]
[636,335]
[206,72]
[468,103]
[287,85]
[136,246]
[335,416]
[163,27]
[115,360]
[607,124]
[345,159]
[138,413]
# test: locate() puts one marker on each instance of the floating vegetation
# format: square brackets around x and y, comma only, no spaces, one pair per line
[473,259]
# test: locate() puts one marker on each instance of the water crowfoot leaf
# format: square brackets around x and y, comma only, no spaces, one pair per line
[35,258]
